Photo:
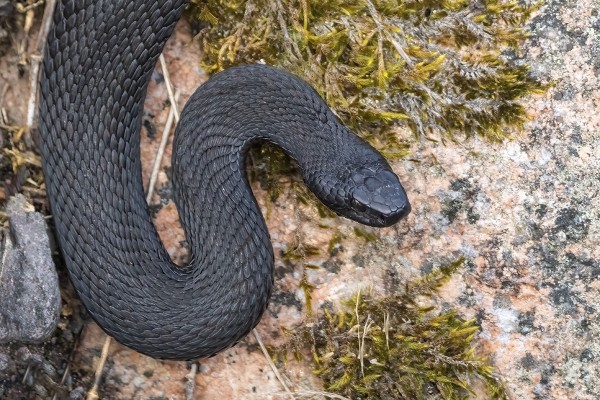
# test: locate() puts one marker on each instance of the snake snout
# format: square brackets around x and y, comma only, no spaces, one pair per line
[378,198]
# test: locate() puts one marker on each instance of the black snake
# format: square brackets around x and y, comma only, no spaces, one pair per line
[98,61]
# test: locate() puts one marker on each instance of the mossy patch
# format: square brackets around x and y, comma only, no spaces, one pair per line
[396,347]
[447,68]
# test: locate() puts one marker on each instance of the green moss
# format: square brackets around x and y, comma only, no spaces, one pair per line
[334,243]
[368,236]
[397,347]
[307,288]
[439,66]
[299,252]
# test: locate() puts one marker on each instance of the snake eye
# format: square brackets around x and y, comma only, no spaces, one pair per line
[358,206]
[360,200]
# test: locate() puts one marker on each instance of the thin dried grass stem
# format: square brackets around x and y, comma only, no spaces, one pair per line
[93,393]
[36,61]
[271,364]
[161,148]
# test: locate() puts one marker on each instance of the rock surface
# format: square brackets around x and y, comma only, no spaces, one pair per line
[29,291]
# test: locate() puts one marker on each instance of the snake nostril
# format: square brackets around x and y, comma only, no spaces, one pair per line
[404,210]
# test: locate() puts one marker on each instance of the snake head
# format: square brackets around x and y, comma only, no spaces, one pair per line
[370,194]
[377,197]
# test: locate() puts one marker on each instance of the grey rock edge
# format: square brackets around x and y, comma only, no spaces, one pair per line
[29,291]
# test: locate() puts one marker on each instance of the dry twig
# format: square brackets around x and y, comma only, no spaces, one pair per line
[173,115]
[36,61]
[270,362]
[93,393]
[190,385]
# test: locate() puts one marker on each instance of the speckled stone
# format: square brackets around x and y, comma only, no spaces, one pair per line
[526,214]
[29,292]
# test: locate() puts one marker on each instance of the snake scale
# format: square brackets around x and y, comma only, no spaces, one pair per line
[98,61]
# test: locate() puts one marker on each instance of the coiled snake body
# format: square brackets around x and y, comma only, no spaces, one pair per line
[98,61]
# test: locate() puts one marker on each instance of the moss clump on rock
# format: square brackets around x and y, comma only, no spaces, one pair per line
[441,66]
[396,347]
